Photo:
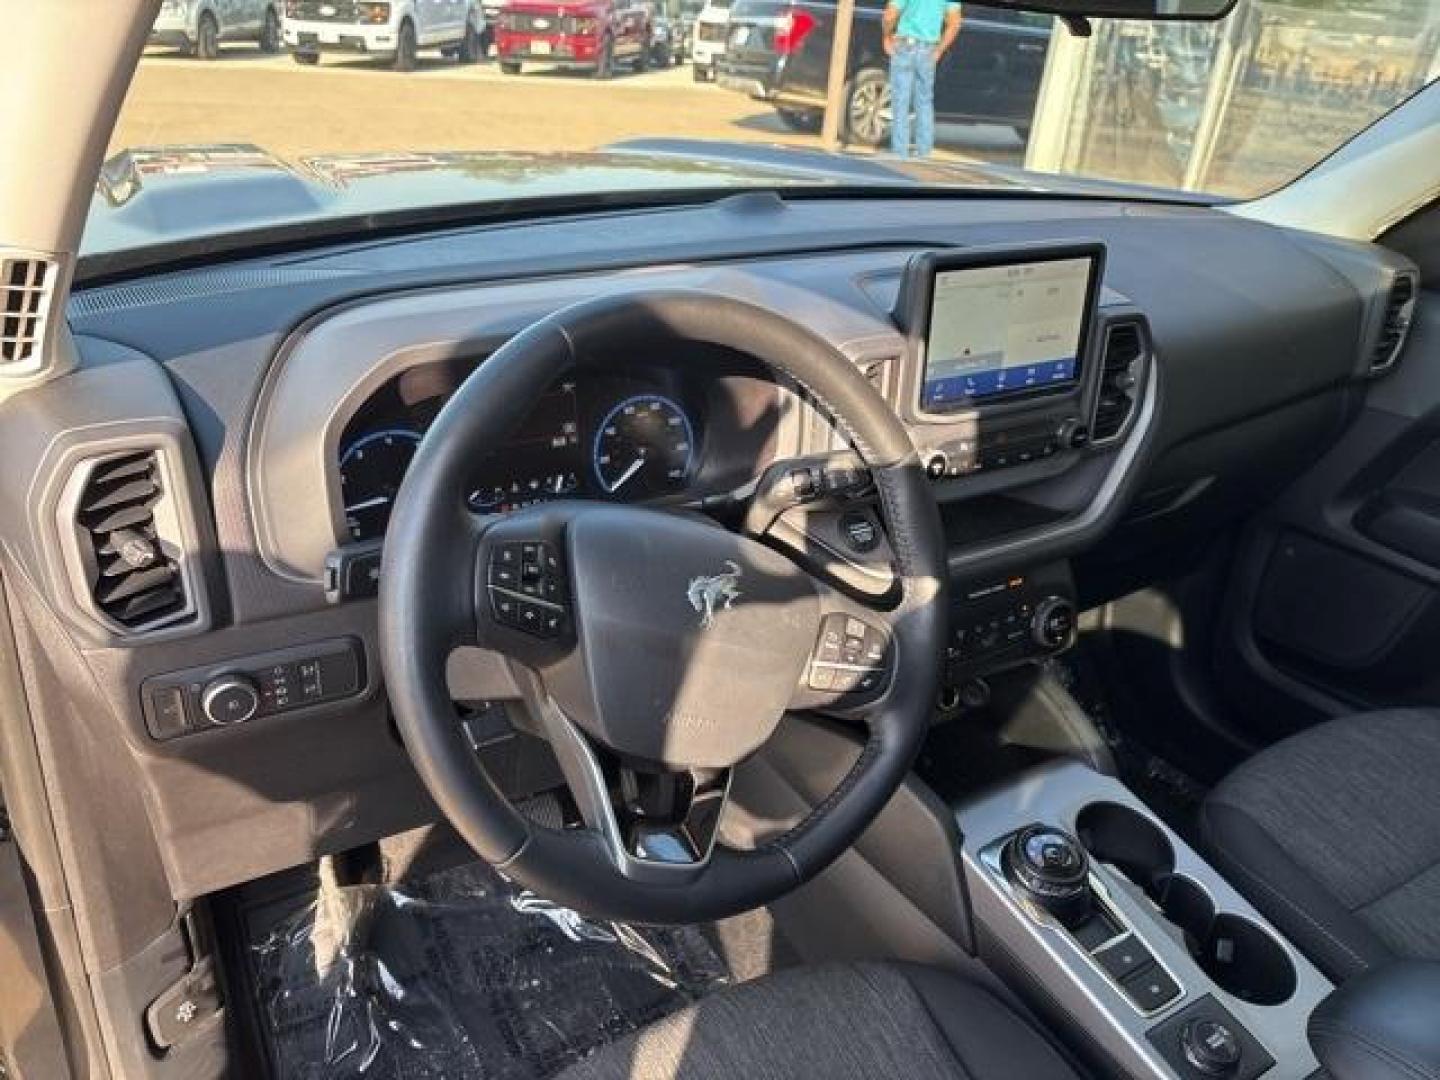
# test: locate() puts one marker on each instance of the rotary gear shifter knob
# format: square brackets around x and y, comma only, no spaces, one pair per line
[1051,868]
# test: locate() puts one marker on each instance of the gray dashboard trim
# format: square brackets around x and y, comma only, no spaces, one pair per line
[1120,469]
[331,365]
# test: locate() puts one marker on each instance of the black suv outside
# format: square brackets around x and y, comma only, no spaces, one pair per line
[779,52]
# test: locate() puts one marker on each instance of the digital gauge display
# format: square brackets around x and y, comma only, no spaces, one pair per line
[576,442]
[644,446]
[371,468]
[541,461]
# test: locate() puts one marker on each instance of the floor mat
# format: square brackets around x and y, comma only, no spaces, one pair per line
[461,975]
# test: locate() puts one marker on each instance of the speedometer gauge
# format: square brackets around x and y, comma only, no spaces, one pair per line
[371,469]
[644,447]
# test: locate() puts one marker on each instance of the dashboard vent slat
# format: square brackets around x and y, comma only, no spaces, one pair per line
[135,581]
[1122,365]
[26,290]
[1395,323]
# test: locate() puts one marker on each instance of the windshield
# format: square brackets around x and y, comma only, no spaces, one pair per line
[253,114]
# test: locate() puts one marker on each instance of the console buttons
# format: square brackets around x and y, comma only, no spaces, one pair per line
[1150,988]
[1095,931]
[1123,957]
[1204,1042]
[1211,1047]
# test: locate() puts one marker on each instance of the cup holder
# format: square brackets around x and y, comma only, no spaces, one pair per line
[1240,956]
[1128,841]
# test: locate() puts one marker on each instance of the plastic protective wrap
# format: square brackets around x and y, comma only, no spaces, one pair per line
[461,975]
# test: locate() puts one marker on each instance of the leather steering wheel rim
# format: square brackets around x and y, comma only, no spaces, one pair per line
[433,537]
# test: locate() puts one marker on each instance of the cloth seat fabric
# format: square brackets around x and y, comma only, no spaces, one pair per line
[837,1022]
[1334,834]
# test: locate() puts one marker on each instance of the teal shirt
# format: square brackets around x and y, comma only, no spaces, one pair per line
[922,19]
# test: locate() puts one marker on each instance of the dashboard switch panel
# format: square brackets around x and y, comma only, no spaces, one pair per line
[236,692]
[1005,621]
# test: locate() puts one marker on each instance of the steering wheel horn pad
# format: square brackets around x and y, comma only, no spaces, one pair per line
[690,640]
[685,644]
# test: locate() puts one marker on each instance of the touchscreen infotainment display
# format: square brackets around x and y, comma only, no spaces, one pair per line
[1001,330]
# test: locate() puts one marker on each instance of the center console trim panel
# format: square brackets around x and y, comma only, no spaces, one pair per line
[991,858]
[1085,996]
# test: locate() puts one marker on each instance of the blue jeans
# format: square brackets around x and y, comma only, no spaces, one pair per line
[912,85]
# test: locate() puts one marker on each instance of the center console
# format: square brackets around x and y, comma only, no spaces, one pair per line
[1128,939]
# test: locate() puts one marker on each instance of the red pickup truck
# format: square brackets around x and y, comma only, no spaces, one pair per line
[589,35]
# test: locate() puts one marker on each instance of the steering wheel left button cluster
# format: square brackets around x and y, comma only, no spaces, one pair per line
[528,590]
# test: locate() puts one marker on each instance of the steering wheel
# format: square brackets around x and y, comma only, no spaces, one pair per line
[657,649]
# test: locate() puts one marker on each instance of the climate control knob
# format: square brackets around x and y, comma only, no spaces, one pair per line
[230,699]
[1053,625]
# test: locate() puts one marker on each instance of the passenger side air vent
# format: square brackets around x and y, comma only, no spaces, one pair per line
[1395,326]
[27,285]
[126,524]
[1122,363]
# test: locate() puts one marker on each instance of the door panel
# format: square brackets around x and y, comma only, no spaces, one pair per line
[30,1040]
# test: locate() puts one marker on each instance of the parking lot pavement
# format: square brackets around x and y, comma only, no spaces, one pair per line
[354,104]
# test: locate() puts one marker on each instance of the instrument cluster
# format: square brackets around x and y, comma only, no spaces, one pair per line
[631,437]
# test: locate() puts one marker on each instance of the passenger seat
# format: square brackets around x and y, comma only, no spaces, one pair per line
[1335,835]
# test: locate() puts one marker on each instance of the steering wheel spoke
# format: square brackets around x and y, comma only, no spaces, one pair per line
[658,825]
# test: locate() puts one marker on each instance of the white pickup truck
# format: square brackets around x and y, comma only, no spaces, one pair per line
[197,27]
[395,29]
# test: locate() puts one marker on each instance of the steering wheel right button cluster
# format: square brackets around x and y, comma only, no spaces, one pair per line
[528,590]
[851,657]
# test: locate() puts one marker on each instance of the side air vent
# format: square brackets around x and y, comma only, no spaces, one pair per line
[1395,326]
[129,540]
[1122,364]
[27,286]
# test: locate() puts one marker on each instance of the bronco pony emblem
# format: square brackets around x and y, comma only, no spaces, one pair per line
[706,593]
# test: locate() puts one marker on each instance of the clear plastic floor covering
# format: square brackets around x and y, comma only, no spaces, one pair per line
[461,975]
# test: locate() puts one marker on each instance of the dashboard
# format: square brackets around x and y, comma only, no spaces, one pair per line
[1178,367]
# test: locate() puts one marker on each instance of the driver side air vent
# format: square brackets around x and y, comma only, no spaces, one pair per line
[27,286]
[129,542]
[1395,326]
[1122,363]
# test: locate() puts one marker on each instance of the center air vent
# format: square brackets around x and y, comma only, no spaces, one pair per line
[1395,326]
[26,288]
[124,519]
[1122,371]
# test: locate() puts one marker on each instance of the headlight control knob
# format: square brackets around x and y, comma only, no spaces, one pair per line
[230,699]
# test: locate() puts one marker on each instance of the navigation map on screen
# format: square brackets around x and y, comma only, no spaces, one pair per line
[1004,329]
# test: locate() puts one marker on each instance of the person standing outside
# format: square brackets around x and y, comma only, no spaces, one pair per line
[917,34]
